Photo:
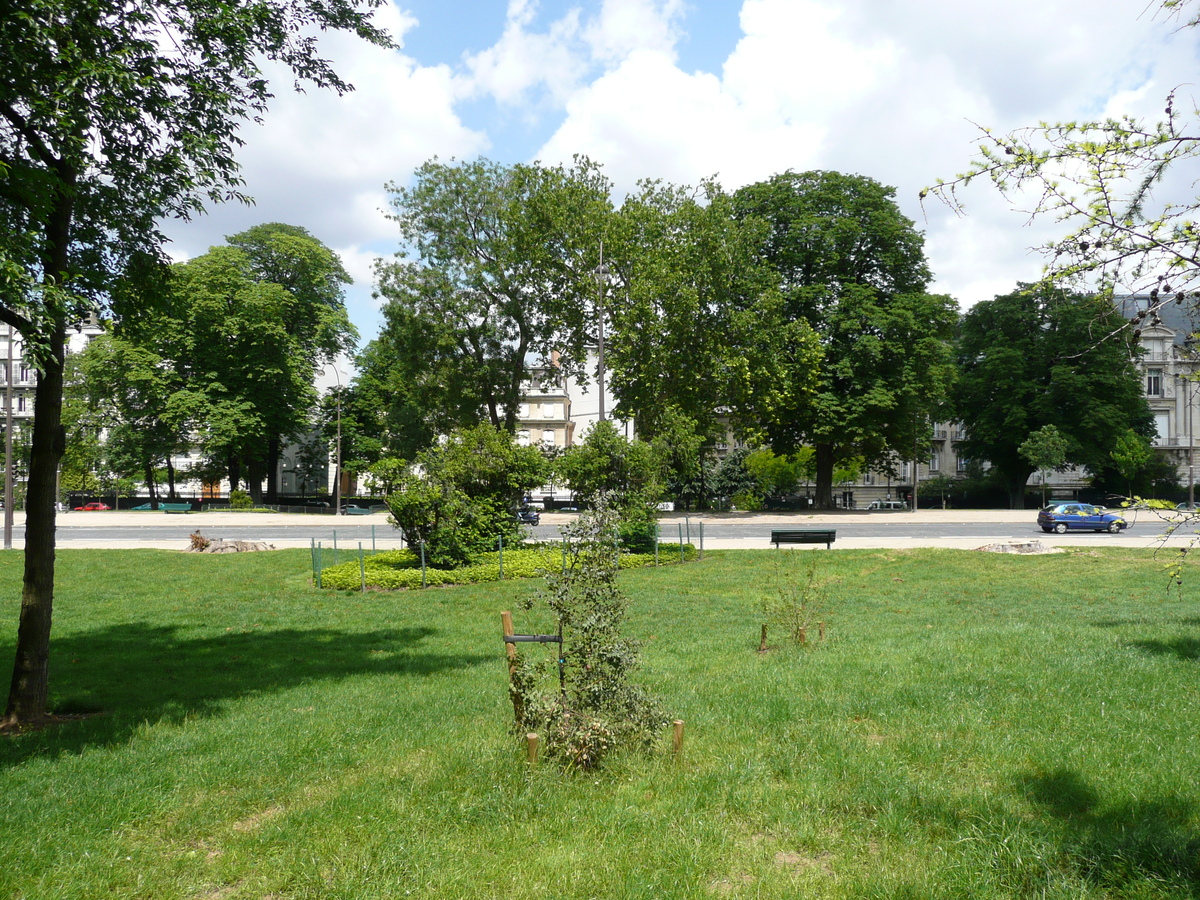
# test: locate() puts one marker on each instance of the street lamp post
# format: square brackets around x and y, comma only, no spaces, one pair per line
[8,435]
[337,463]
[602,273]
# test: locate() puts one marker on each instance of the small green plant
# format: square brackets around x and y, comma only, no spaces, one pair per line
[583,702]
[795,603]
[240,500]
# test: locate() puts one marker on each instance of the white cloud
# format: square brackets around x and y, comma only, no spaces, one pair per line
[321,161]
[886,89]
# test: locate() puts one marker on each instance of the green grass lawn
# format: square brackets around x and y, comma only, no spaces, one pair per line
[973,725]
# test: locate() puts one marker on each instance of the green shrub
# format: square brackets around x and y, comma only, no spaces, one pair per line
[401,569]
[240,500]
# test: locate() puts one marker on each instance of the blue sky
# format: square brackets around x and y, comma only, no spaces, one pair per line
[682,90]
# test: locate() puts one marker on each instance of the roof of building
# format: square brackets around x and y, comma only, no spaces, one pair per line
[1180,316]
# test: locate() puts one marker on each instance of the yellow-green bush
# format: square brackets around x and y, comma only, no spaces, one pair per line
[398,569]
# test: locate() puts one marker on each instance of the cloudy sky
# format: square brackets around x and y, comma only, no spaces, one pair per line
[684,89]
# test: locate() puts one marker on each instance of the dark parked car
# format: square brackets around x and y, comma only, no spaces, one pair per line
[1064,517]
[528,516]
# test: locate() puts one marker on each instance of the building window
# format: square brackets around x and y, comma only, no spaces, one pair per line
[963,462]
[24,373]
[935,462]
[548,437]
[523,438]
[21,403]
[1154,382]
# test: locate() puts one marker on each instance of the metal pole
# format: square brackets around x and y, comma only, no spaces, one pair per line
[601,276]
[1192,498]
[337,466]
[8,462]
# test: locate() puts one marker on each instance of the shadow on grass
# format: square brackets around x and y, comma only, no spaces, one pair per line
[1146,620]
[1124,845]
[1182,648]
[133,673]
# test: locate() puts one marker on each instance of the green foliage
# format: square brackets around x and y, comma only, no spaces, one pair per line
[606,461]
[459,496]
[1035,358]
[401,569]
[692,303]
[872,359]
[1045,449]
[240,500]
[1131,455]
[586,704]
[502,269]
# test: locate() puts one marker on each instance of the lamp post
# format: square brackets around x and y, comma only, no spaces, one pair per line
[602,273]
[8,434]
[337,464]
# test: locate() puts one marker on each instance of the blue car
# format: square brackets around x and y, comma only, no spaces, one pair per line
[1064,517]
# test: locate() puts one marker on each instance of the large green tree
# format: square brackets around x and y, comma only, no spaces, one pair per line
[1038,357]
[851,270]
[315,321]
[692,302]
[113,117]
[500,273]
[123,392]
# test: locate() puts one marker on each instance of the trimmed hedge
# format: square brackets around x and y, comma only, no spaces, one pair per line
[401,569]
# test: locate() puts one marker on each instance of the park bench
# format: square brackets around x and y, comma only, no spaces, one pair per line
[175,507]
[824,536]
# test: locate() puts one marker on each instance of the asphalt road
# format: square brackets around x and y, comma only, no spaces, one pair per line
[951,528]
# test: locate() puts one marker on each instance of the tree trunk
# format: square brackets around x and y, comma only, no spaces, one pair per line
[31,671]
[254,479]
[150,485]
[170,479]
[235,471]
[824,477]
[273,448]
[1016,492]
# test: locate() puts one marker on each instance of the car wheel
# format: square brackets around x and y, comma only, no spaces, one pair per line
[1061,527]
[1114,527]
[1047,529]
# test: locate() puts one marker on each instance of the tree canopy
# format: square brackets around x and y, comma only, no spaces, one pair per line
[113,117]
[499,270]
[1036,357]
[852,273]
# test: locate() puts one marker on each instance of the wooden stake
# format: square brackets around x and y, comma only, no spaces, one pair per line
[511,650]
[803,635]
[531,742]
[762,641]
[677,740]
[821,630]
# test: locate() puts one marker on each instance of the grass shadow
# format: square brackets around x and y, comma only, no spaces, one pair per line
[135,672]
[1119,846]
[1187,648]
